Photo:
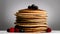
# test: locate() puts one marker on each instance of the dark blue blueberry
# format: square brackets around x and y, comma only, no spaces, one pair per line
[29,7]
[21,31]
[8,30]
[33,7]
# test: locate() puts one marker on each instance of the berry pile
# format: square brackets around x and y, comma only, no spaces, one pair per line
[33,7]
[17,30]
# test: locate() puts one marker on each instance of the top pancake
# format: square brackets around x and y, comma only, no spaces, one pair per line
[30,11]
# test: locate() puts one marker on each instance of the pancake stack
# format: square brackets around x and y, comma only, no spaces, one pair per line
[31,19]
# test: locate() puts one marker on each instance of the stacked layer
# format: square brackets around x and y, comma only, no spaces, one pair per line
[29,20]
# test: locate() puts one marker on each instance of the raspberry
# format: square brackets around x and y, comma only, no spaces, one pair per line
[11,30]
[49,30]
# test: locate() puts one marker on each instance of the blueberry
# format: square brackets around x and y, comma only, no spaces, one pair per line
[29,7]
[33,7]
[8,30]
[21,31]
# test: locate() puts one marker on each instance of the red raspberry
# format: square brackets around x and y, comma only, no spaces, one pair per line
[11,30]
[49,30]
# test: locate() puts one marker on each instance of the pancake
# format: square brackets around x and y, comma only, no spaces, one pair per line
[36,31]
[21,18]
[30,21]
[32,11]
[31,25]
[37,28]
[33,30]
[33,17]
[34,20]
[31,14]
[19,27]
